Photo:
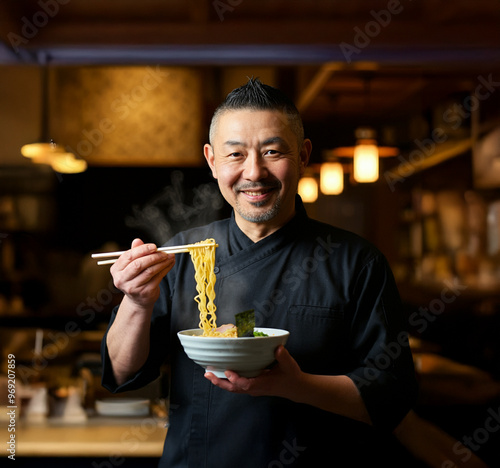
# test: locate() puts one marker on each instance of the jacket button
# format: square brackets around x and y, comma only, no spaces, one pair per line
[216,270]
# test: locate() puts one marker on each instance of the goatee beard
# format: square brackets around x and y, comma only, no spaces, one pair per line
[263,216]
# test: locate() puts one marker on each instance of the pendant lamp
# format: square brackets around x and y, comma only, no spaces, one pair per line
[308,189]
[331,178]
[366,152]
[365,156]
[48,152]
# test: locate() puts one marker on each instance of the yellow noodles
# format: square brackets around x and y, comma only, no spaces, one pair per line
[203,259]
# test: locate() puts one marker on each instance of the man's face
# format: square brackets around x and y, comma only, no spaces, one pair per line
[255,157]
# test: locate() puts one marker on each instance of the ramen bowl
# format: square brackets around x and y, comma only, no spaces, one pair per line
[248,356]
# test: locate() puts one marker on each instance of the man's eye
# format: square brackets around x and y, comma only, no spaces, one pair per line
[271,152]
[235,154]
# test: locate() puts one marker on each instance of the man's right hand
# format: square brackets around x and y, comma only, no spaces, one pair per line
[139,271]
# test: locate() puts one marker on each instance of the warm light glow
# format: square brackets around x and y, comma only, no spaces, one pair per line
[308,189]
[66,163]
[365,163]
[40,150]
[331,181]
[55,156]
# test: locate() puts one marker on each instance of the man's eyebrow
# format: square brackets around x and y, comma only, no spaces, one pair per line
[273,140]
[233,143]
[267,141]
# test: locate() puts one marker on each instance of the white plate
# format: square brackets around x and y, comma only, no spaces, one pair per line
[122,407]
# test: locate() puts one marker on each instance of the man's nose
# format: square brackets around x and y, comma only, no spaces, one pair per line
[255,167]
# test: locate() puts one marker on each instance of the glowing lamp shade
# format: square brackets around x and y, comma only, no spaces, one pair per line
[55,156]
[331,178]
[308,189]
[365,165]
[38,150]
[66,163]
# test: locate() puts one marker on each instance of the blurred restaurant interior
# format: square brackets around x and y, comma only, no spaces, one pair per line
[125,91]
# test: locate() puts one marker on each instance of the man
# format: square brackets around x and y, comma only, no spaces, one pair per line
[345,379]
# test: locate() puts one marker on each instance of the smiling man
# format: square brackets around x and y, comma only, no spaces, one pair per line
[257,160]
[334,393]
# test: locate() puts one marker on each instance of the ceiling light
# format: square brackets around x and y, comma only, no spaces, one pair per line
[38,152]
[331,178]
[66,163]
[366,154]
[308,189]
[55,156]
[45,152]
[365,164]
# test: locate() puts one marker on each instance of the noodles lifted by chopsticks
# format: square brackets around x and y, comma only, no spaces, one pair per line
[203,259]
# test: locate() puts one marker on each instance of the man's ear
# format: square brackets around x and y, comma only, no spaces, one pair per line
[209,156]
[305,154]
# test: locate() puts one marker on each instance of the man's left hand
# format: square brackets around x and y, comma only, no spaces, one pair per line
[277,381]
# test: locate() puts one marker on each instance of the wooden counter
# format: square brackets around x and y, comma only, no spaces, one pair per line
[112,437]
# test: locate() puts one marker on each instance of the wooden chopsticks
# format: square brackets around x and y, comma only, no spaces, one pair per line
[171,249]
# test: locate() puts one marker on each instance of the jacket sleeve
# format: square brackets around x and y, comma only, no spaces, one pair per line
[159,345]
[382,362]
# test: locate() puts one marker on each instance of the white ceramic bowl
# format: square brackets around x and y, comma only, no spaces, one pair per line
[248,356]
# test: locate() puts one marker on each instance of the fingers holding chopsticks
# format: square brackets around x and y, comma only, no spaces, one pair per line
[142,260]
[138,271]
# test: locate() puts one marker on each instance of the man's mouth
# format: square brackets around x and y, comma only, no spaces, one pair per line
[257,193]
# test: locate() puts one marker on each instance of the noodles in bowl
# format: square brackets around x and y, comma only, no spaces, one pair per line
[217,351]
[247,356]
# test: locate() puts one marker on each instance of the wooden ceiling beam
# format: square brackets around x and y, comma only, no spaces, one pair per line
[13,41]
[400,34]
[9,21]
[199,11]
[316,85]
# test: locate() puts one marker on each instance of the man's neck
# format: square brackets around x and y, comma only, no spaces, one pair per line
[258,231]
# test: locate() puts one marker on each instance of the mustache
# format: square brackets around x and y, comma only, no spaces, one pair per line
[258,185]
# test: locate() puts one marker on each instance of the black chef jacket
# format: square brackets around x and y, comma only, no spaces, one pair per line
[336,295]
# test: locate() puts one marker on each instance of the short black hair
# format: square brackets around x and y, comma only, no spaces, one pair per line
[255,95]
